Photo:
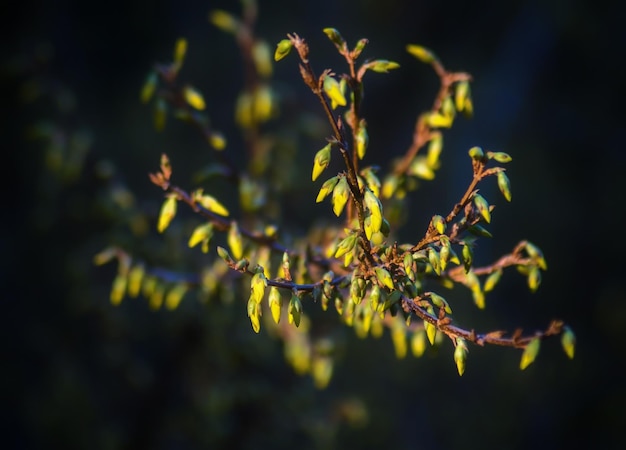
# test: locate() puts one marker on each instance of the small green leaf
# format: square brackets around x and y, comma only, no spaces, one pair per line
[440,302]
[468,257]
[530,353]
[358,48]
[439,224]
[534,278]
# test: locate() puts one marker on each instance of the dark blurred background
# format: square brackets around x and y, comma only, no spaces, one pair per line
[80,373]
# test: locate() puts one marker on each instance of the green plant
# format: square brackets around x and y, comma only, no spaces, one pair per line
[356,266]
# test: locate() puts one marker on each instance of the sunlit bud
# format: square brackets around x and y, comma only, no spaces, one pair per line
[421,53]
[437,120]
[477,230]
[193,98]
[468,107]
[223,253]
[262,56]
[421,169]
[373,204]
[321,161]
[468,257]
[440,302]
[321,371]
[217,140]
[335,37]
[382,65]
[447,107]
[476,153]
[201,233]
[384,277]
[492,280]
[483,207]
[461,92]
[235,241]
[431,331]
[257,287]
[504,185]
[433,258]
[390,186]
[530,353]
[460,355]
[361,140]
[262,103]
[327,188]
[160,114]
[118,289]
[341,193]
[135,277]
[358,48]
[568,341]
[168,211]
[334,92]
[156,298]
[534,278]
[434,150]
[295,310]
[346,245]
[399,339]
[210,203]
[282,49]
[444,254]
[254,311]
[175,296]
[501,157]
[439,224]
[375,297]
[418,343]
[537,255]
[147,91]
[180,50]
[223,20]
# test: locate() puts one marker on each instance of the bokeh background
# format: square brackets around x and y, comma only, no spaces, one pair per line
[80,373]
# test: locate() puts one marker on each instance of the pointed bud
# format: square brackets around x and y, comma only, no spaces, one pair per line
[282,49]
[530,353]
[175,296]
[202,233]
[194,98]
[321,161]
[501,157]
[358,48]
[180,50]
[381,65]
[460,355]
[435,146]
[384,277]
[341,193]
[118,289]
[235,241]
[257,287]
[421,53]
[439,224]
[461,92]
[276,302]
[492,280]
[476,153]
[327,188]
[168,211]
[295,310]
[504,185]
[568,341]
[334,92]
[361,140]
[534,278]
[147,91]
[483,207]
[335,37]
